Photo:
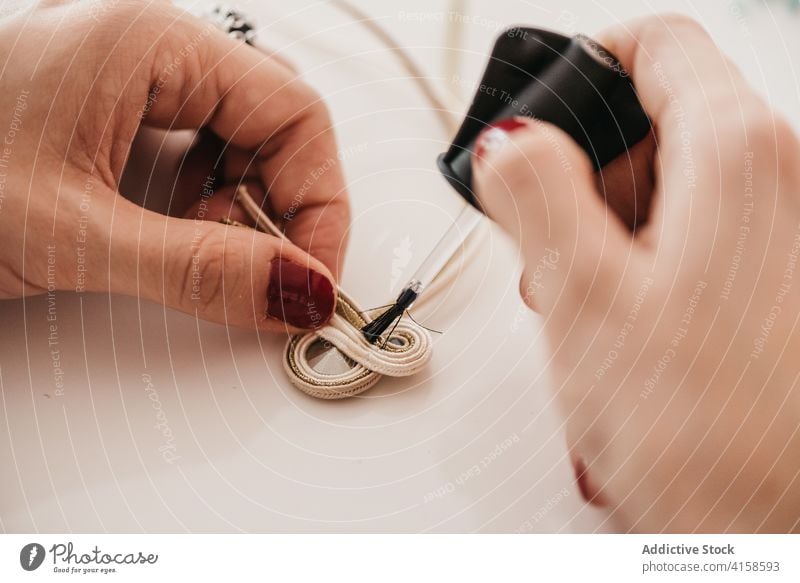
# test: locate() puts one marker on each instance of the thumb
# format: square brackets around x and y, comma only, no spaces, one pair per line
[221,273]
[537,183]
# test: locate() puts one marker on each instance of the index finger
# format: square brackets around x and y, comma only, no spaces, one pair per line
[257,103]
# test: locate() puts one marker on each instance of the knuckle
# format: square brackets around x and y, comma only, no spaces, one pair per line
[663,27]
[308,109]
[305,97]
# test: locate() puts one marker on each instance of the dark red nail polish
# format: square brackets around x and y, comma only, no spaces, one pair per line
[299,296]
[495,135]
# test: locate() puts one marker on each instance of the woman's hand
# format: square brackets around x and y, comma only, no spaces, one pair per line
[675,347]
[79,79]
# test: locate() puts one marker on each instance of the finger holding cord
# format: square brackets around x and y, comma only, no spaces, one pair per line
[220,273]
[257,104]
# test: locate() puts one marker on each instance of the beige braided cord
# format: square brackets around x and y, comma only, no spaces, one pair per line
[407,347]
[404,353]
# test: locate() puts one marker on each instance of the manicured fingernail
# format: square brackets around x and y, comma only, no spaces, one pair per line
[494,136]
[299,296]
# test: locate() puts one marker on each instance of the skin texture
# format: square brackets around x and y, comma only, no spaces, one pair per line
[674,344]
[79,85]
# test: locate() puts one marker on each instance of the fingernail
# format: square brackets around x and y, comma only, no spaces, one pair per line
[494,136]
[299,296]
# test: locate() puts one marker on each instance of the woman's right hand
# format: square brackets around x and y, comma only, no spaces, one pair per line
[674,348]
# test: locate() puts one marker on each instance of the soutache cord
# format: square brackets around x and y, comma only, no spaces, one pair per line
[353,364]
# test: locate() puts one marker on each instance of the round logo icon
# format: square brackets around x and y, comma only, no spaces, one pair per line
[31,556]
